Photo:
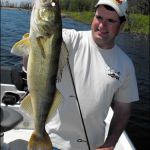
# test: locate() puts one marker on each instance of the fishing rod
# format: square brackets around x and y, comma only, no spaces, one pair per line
[88,143]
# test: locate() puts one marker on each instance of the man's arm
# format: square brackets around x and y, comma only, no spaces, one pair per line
[117,125]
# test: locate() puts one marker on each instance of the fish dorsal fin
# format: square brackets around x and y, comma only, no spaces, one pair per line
[26,35]
[26,105]
[22,47]
[64,54]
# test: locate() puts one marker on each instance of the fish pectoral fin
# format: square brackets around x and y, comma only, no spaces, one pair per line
[22,47]
[26,35]
[26,105]
[64,54]
[56,103]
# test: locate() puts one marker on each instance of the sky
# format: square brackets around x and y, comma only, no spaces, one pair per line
[18,1]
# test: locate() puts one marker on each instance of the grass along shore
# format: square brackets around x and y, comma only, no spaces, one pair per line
[137,23]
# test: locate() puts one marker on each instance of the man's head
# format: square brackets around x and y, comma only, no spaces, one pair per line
[107,22]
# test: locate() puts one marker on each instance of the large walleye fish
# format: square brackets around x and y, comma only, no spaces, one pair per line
[43,44]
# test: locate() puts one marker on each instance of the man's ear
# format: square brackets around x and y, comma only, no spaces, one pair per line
[122,25]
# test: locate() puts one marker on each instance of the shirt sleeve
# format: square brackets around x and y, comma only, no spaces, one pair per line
[128,91]
[70,37]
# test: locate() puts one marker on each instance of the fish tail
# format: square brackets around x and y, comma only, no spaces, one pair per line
[38,142]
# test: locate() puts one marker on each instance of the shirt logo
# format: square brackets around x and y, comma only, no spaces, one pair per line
[113,73]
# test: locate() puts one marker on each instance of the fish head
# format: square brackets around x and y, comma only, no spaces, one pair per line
[46,17]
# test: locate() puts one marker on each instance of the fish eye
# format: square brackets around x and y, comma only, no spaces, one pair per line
[53,4]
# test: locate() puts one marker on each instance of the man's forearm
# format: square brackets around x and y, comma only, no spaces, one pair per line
[118,123]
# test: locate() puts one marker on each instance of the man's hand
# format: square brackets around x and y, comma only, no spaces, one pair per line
[108,148]
[117,125]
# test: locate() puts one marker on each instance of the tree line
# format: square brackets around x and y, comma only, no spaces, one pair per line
[139,6]
[10,4]
[135,6]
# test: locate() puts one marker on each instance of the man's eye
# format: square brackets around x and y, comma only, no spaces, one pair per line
[99,17]
[112,21]
[109,21]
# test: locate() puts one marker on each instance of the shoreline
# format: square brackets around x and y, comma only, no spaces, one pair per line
[86,17]
[20,9]
[3,7]
[15,8]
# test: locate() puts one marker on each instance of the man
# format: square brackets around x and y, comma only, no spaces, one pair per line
[101,72]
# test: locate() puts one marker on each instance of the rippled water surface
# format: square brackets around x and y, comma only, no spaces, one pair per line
[14,23]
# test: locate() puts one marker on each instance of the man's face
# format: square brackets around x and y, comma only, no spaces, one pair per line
[105,27]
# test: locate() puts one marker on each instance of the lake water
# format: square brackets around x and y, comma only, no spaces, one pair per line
[14,23]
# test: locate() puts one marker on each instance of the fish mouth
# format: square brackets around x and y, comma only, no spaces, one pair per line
[45,3]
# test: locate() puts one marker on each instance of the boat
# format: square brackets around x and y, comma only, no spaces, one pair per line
[16,136]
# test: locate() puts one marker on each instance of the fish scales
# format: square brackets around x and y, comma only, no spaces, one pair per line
[43,44]
[45,39]
[47,57]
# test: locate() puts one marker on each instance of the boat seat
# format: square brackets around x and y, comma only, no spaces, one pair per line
[10,98]
[12,75]
[9,118]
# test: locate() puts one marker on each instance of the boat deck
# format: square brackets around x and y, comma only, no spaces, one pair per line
[17,138]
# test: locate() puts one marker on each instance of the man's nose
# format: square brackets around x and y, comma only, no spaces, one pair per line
[103,24]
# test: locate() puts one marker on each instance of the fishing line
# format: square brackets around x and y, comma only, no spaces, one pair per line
[88,144]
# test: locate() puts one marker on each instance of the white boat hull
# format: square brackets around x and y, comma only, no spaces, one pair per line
[17,138]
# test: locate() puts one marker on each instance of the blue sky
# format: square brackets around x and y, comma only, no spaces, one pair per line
[18,1]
